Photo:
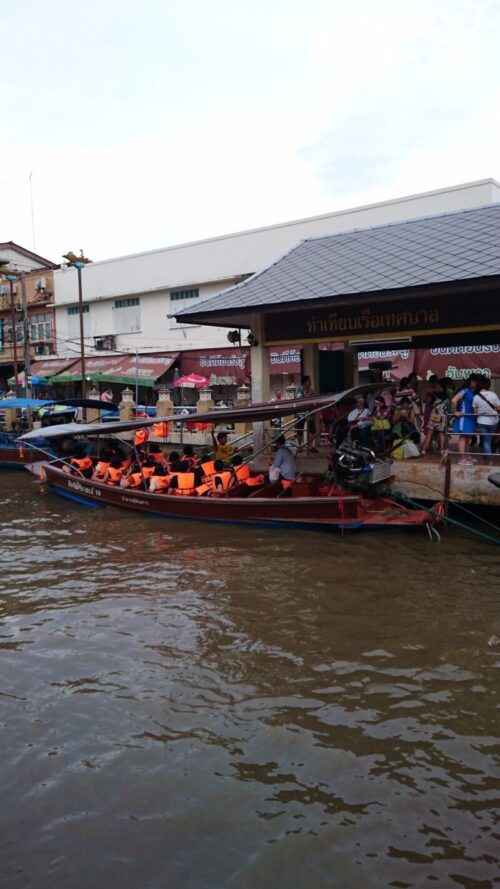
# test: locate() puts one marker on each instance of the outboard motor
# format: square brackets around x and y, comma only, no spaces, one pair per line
[359,469]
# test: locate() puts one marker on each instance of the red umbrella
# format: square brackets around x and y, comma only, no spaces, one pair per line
[191,381]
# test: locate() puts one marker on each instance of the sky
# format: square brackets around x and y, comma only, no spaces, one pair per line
[154,123]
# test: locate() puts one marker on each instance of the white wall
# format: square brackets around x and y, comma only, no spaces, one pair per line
[220,261]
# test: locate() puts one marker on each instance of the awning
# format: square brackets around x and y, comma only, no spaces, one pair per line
[143,369]
[222,367]
[42,371]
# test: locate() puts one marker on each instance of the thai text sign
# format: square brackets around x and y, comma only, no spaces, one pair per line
[370,320]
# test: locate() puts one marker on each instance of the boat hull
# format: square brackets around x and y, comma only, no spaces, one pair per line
[344,512]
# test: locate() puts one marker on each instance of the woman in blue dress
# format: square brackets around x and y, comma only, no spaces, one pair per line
[464,424]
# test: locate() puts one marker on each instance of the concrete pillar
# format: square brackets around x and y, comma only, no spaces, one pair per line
[127,405]
[310,368]
[164,405]
[93,414]
[205,401]
[310,364]
[351,373]
[259,365]
[10,414]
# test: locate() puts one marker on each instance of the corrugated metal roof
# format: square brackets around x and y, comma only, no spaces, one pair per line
[432,250]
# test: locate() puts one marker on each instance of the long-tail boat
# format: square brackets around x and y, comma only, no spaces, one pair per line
[358,498]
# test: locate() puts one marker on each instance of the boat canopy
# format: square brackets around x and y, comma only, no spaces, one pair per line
[69,403]
[248,413]
[22,403]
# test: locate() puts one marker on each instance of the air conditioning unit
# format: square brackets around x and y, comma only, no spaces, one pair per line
[102,343]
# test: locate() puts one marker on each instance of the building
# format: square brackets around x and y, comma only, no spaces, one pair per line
[133,304]
[27,305]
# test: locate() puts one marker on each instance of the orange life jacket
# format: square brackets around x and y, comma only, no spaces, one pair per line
[141,437]
[253,481]
[185,483]
[242,472]
[114,475]
[286,483]
[159,456]
[161,430]
[161,482]
[134,479]
[147,471]
[222,481]
[81,463]
[101,468]
[208,468]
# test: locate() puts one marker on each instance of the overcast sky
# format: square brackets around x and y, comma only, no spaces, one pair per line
[147,124]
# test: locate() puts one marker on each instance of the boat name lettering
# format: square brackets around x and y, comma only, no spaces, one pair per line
[136,501]
[83,489]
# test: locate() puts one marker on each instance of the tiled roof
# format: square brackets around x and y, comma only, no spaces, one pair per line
[432,250]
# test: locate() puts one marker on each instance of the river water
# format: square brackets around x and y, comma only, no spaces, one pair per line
[200,706]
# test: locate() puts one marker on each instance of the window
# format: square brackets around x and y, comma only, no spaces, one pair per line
[128,315]
[74,322]
[179,299]
[41,327]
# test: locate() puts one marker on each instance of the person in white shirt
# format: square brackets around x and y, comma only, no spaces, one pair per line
[360,423]
[486,406]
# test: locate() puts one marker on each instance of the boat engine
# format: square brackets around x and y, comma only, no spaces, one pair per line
[359,469]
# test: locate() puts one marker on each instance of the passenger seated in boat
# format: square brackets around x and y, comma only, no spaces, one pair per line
[148,467]
[182,480]
[189,456]
[82,463]
[156,452]
[283,466]
[134,479]
[114,472]
[102,466]
[240,469]
[173,458]
[160,480]
[223,478]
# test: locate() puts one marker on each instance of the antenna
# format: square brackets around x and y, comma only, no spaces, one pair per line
[32,212]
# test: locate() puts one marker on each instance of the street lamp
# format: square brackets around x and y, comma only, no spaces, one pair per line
[79,263]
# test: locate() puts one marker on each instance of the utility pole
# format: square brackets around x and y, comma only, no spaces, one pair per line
[79,263]
[11,279]
[26,338]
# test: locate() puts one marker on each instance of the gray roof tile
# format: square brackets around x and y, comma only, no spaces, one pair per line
[452,247]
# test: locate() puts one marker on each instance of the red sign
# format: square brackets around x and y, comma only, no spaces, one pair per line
[222,367]
[50,367]
[458,362]
[284,360]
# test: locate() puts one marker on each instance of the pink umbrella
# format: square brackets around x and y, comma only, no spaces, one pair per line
[191,381]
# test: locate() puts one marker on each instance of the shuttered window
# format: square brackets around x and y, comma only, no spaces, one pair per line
[128,315]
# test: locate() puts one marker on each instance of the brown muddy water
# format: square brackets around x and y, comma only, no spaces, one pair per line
[213,707]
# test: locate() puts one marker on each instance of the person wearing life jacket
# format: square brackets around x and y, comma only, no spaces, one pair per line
[223,478]
[160,480]
[189,456]
[241,470]
[156,452]
[82,463]
[182,481]
[102,466]
[173,458]
[134,479]
[148,467]
[114,472]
